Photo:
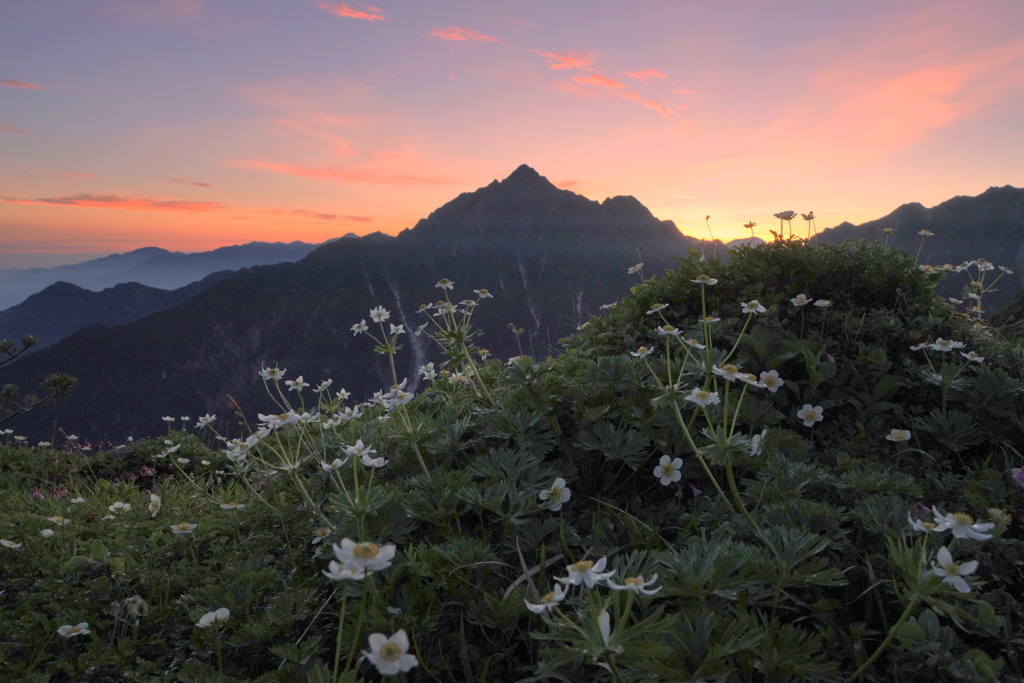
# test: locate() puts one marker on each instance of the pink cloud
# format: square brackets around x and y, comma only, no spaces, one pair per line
[563,61]
[360,174]
[338,144]
[567,184]
[109,201]
[20,84]
[600,81]
[14,129]
[683,91]
[650,104]
[341,9]
[645,74]
[74,175]
[458,33]
[319,216]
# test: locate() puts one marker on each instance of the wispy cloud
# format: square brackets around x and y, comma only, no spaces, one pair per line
[459,33]
[563,61]
[645,75]
[194,183]
[306,213]
[14,129]
[342,9]
[110,201]
[355,174]
[600,81]
[650,104]
[73,175]
[682,91]
[10,83]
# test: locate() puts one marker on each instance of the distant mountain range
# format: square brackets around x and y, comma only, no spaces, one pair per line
[63,308]
[550,257]
[150,266]
[989,226]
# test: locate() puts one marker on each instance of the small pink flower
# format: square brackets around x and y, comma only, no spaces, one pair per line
[1018,476]
[146,472]
[132,476]
[72,469]
[36,495]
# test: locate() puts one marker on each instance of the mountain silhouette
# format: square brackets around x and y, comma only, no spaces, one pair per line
[550,258]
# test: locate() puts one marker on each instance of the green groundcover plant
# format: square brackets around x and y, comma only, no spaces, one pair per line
[797,465]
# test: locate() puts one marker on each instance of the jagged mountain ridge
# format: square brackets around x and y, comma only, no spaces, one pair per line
[989,226]
[151,266]
[64,308]
[549,257]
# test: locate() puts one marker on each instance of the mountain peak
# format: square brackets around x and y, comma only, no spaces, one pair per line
[524,173]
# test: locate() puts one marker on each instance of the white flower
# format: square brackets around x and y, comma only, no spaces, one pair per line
[270,373]
[372,462]
[204,462]
[556,496]
[154,504]
[379,314]
[483,294]
[320,534]
[71,437]
[635,269]
[753,306]
[183,528]
[656,308]
[365,556]
[641,352]
[941,344]
[428,372]
[205,420]
[296,384]
[168,419]
[359,327]
[926,233]
[214,619]
[668,330]
[727,372]
[983,265]
[705,280]
[694,343]
[963,525]
[78,499]
[444,283]
[668,470]
[547,602]
[276,421]
[232,506]
[69,631]
[710,319]
[59,521]
[898,435]
[919,347]
[636,584]
[822,303]
[606,307]
[44,444]
[755,442]
[183,461]
[918,525]
[390,654]
[972,356]
[119,507]
[587,572]
[109,517]
[702,398]
[46,533]
[771,381]
[811,414]
[397,330]
[331,466]
[9,544]
[953,573]
[340,572]
[785,215]
[751,379]
[342,395]
[954,300]
[800,300]
[359,449]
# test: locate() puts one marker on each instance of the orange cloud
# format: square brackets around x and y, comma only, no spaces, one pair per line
[339,144]
[319,216]
[645,74]
[185,181]
[20,84]
[362,174]
[14,129]
[683,91]
[650,104]
[566,60]
[458,33]
[341,9]
[109,201]
[600,81]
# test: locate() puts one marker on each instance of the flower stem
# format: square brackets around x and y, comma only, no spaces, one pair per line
[888,640]
[341,628]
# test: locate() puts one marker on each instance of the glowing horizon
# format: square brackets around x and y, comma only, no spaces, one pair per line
[260,121]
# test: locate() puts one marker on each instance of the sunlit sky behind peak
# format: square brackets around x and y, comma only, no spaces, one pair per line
[193,124]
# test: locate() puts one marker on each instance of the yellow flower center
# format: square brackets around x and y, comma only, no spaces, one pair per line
[703,395]
[770,381]
[952,568]
[549,598]
[366,551]
[668,328]
[582,566]
[555,493]
[58,519]
[634,581]
[930,526]
[730,369]
[184,526]
[963,519]
[321,532]
[390,652]
[74,629]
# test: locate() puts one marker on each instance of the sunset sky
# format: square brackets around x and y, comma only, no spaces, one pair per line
[193,124]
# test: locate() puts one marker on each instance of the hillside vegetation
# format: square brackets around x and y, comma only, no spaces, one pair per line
[800,465]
